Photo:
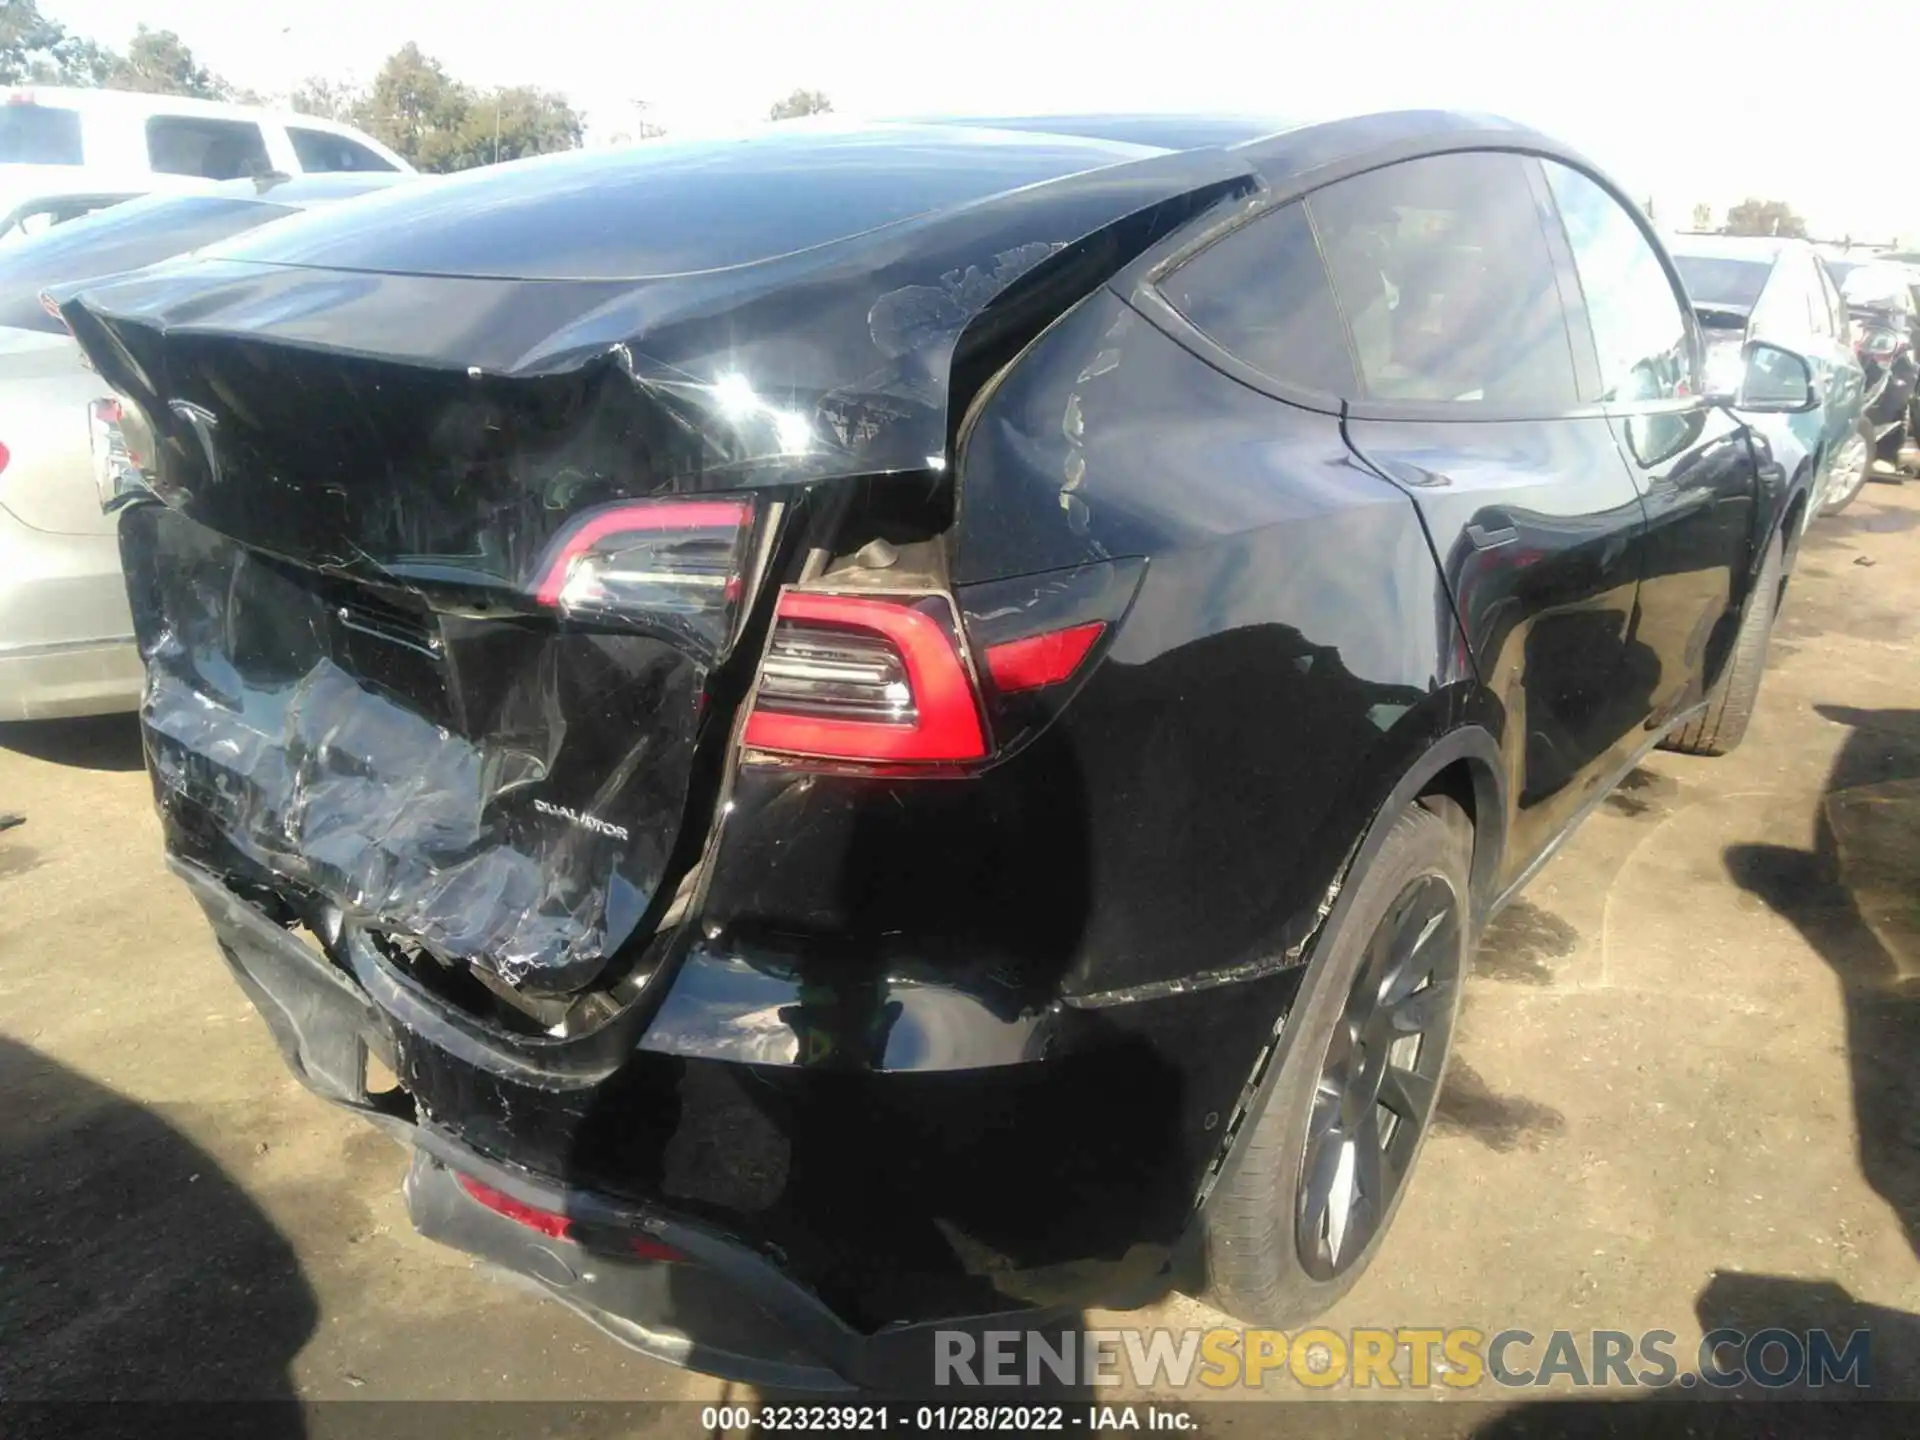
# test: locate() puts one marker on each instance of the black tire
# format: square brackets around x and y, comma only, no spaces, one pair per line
[1843,489]
[1720,728]
[1256,1222]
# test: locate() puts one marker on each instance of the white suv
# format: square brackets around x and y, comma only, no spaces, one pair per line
[52,138]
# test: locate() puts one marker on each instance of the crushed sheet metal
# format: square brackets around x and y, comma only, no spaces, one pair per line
[1292,956]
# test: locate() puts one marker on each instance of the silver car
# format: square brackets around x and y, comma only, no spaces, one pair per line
[66,638]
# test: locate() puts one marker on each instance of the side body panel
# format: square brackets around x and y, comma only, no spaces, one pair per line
[1694,468]
[1795,311]
[1539,531]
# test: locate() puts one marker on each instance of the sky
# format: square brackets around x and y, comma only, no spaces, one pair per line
[1685,101]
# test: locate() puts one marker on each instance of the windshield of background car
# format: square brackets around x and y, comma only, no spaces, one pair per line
[123,237]
[39,135]
[1717,281]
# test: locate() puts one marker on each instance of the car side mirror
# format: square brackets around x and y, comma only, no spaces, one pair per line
[1773,381]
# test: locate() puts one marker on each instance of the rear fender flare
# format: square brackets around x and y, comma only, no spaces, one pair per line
[1477,748]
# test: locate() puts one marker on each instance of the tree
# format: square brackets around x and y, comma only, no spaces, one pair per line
[338,100]
[158,62]
[513,123]
[416,107]
[800,102]
[440,124]
[1764,217]
[1703,216]
[38,50]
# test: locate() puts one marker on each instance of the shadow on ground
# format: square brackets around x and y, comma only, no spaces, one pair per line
[95,742]
[131,1267]
[1855,898]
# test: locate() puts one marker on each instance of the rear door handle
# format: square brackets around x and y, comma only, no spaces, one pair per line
[1486,538]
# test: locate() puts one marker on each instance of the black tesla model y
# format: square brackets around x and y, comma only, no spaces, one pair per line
[870,729]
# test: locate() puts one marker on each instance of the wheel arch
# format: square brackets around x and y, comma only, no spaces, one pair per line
[1462,764]
[1792,514]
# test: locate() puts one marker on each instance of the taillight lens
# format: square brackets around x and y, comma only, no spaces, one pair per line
[672,564]
[860,678]
[1881,345]
[116,465]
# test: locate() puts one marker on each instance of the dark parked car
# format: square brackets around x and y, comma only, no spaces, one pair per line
[1886,331]
[879,727]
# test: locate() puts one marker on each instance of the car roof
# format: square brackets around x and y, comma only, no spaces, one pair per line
[679,207]
[1765,248]
[140,102]
[1163,132]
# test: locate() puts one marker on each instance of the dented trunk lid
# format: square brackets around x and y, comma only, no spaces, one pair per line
[376,680]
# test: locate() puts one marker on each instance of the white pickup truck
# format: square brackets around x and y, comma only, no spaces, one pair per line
[64,152]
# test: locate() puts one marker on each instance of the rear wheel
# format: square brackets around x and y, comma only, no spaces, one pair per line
[1723,724]
[1847,475]
[1324,1164]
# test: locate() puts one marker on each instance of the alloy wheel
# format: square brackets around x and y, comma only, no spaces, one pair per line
[1848,472]
[1380,1077]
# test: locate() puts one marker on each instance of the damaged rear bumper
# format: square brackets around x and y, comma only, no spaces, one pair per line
[722,1298]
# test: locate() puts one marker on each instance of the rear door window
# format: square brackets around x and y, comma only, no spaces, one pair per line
[39,135]
[1836,307]
[321,152]
[1639,322]
[1262,294]
[1782,311]
[1447,284]
[211,148]
[1819,314]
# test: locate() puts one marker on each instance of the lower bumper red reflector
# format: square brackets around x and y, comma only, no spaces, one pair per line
[1041,660]
[559,1227]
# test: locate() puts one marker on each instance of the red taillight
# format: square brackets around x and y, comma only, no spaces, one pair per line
[856,678]
[677,563]
[1041,660]
[559,1227]
[554,1227]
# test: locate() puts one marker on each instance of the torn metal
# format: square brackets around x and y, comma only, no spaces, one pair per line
[434,568]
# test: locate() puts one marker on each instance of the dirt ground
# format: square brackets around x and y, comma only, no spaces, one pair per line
[1684,1094]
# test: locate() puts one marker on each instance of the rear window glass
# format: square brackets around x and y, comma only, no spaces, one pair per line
[39,135]
[1262,294]
[212,149]
[1444,275]
[126,237]
[1734,283]
[322,152]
